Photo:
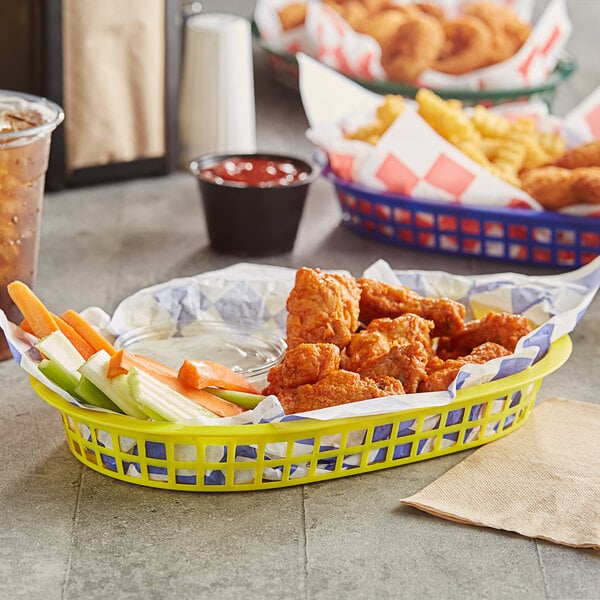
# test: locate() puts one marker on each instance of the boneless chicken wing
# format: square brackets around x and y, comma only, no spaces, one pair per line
[405,361]
[441,373]
[381,334]
[338,387]
[379,299]
[502,328]
[305,363]
[322,307]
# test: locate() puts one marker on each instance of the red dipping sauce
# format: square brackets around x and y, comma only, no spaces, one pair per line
[254,172]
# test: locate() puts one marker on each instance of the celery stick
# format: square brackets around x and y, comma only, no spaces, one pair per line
[243,399]
[66,380]
[159,398]
[121,386]
[58,348]
[91,394]
[96,369]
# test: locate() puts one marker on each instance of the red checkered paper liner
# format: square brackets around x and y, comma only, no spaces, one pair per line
[327,37]
[411,158]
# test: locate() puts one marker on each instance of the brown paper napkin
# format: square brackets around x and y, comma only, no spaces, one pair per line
[542,481]
[114,81]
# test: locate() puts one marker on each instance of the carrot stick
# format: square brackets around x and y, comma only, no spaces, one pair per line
[122,361]
[40,319]
[26,327]
[87,332]
[80,344]
[205,373]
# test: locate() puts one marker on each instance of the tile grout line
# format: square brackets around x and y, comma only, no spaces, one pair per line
[541,563]
[75,520]
[304,544]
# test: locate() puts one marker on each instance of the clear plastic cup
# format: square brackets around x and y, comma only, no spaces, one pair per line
[26,125]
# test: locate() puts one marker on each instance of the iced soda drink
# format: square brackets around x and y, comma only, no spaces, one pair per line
[26,125]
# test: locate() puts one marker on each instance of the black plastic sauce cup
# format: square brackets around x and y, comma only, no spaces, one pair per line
[250,220]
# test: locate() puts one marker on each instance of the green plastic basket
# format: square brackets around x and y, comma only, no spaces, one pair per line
[284,67]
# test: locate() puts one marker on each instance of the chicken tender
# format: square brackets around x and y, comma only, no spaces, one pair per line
[338,387]
[502,328]
[379,299]
[322,308]
[586,155]
[381,334]
[306,363]
[586,185]
[556,187]
[405,361]
[550,186]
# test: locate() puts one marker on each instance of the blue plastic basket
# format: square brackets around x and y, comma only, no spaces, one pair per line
[505,234]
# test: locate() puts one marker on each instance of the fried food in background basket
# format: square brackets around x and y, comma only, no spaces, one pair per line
[514,150]
[573,178]
[418,36]
[354,339]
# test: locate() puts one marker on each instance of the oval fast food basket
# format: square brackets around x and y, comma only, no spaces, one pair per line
[284,67]
[524,236]
[274,455]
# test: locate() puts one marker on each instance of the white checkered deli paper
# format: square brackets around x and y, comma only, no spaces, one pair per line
[327,37]
[411,158]
[256,294]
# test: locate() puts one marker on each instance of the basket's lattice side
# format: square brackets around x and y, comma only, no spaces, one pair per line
[291,453]
[520,236]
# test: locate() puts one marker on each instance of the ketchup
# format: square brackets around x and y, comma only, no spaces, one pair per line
[254,172]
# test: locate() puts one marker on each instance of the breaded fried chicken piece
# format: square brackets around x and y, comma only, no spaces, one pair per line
[412,48]
[306,363]
[379,299]
[405,361]
[502,328]
[508,31]
[556,187]
[585,155]
[586,185]
[381,334]
[441,373]
[338,387]
[322,308]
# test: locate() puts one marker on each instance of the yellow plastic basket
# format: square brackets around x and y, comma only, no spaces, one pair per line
[274,455]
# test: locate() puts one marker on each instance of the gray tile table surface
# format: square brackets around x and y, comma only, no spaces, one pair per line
[67,532]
